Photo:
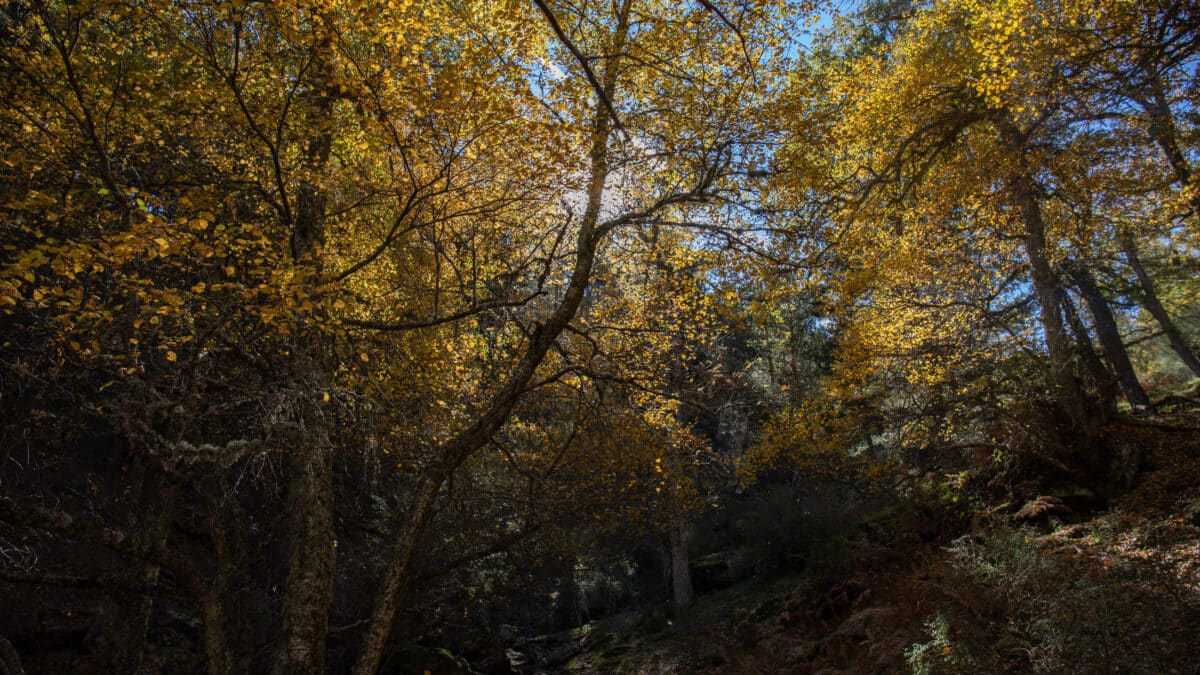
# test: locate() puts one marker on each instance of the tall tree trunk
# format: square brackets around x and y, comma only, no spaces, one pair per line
[1082,415]
[308,589]
[681,575]
[1153,305]
[88,530]
[1104,379]
[471,439]
[1110,338]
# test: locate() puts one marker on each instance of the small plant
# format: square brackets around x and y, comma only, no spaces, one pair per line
[940,654]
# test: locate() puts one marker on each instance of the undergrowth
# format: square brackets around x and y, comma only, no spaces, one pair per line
[1054,618]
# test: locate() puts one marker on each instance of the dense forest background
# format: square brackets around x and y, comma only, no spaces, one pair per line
[597,336]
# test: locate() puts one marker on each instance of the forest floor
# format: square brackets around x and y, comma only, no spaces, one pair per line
[1048,590]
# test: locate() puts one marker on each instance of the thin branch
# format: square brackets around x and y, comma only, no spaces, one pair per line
[587,69]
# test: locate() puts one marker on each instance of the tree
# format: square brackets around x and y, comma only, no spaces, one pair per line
[960,134]
[328,238]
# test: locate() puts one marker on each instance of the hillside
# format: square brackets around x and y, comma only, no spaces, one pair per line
[1018,589]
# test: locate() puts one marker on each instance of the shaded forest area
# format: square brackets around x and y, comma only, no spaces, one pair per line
[632,336]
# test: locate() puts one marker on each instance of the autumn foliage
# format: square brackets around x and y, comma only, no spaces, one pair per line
[317,314]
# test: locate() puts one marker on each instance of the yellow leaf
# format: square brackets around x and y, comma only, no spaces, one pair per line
[363,357]
[171,356]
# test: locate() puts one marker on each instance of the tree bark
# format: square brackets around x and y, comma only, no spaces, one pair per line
[309,586]
[1150,301]
[10,661]
[212,623]
[1110,338]
[208,602]
[154,509]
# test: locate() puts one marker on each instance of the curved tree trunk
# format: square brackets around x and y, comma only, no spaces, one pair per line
[10,661]
[470,440]
[208,600]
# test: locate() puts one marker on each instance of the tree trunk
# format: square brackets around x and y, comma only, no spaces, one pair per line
[681,576]
[308,589]
[471,439]
[1110,338]
[88,530]
[10,661]
[1082,415]
[212,623]
[420,513]
[309,586]
[1104,379]
[1152,304]
[1048,291]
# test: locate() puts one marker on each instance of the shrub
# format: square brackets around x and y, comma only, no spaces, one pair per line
[1055,620]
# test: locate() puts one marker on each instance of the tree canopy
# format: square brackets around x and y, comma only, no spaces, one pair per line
[310,305]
